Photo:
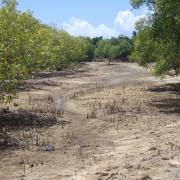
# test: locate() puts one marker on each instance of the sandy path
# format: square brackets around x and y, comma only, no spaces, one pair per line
[137,142]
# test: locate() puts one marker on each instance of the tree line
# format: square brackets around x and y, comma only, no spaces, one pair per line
[28,46]
[158,36]
[114,48]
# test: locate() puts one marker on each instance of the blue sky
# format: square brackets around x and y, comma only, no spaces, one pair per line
[86,17]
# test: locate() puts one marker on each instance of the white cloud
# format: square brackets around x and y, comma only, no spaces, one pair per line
[126,20]
[123,24]
[78,27]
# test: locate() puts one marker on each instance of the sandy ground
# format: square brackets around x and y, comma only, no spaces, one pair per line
[116,122]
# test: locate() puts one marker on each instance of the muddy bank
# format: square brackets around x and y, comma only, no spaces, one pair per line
[111,122]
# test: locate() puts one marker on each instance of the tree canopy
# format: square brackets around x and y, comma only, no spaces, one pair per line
[114,48]
[158,36]
[27,46]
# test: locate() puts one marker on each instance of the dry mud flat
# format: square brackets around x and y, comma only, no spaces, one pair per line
[97,123]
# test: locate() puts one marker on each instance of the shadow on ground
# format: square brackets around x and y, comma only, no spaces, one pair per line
[42,79]
[25,118]
[36,85]
[64,74]
[171,88]
[170,103]
[68,73]
[7,142]
[21,119]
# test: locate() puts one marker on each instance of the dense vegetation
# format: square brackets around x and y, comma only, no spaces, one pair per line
[27,46]
[114,48]
[158,36]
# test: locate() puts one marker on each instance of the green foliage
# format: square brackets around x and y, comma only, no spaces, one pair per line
[17,50]
[114,48]
[158,37]
[138,3]
[145,49]
[95,40]
[27,46]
